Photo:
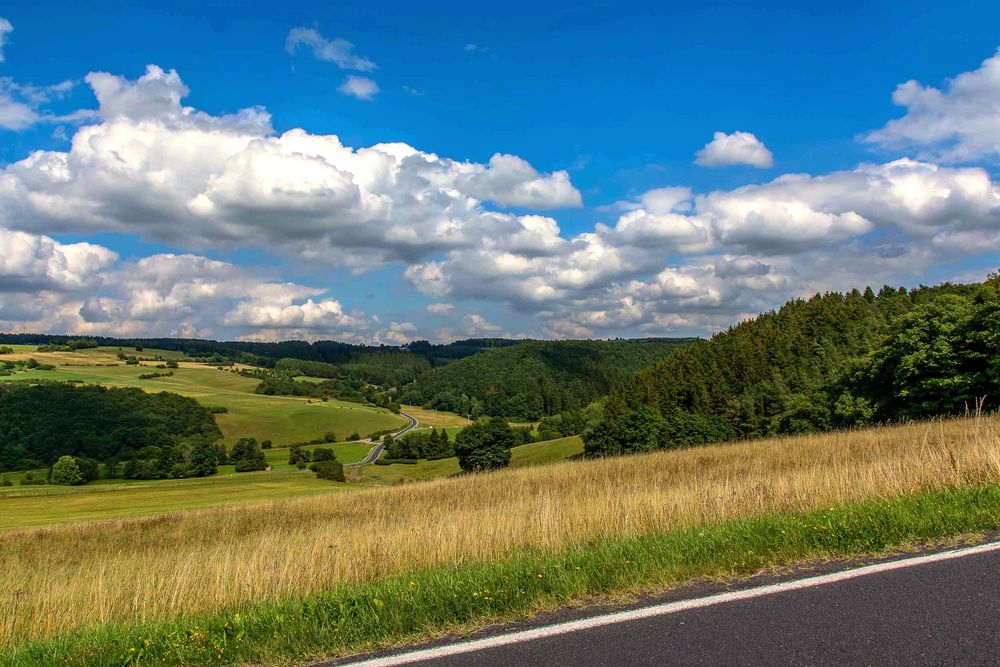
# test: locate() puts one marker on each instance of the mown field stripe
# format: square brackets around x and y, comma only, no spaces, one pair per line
[402,609]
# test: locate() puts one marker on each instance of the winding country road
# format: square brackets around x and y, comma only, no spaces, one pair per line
[376,451]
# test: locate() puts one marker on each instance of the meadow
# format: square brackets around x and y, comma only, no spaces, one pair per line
[281,419]
[35,506]
[536,453]
[139,572]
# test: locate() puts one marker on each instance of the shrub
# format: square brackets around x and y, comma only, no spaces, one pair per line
[297,456]
[6,481]
[331,470]
[265,444]
[218,409]
[354,436]
[29,479]
[150,376]
[90,469]
[66,472]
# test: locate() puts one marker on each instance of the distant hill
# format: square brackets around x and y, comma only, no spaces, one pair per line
[267,354]
[533,379]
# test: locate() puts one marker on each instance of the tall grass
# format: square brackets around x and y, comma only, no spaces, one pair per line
[58,579]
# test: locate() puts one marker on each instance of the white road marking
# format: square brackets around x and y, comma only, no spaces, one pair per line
[666,608]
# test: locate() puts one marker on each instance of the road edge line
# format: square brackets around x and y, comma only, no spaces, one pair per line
[666,608]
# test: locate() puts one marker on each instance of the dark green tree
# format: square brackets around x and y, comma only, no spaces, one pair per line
[484,445]
[298,457]
[324,454]
[204,460]
[331,470]
[247,456]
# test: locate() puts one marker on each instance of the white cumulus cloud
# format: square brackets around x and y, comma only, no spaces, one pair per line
[957,123]
[5,29]
[171,173]
[736,148]
[360,87]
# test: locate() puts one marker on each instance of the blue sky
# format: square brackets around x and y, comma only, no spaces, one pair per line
[602,104]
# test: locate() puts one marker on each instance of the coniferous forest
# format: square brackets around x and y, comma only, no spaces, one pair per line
[532,379]
[832,361]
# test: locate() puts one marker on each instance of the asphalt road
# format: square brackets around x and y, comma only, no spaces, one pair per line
[945,612]
[376,451]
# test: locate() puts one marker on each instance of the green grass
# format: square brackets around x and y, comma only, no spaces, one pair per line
[536,453]
[548,451]
[396,610]
[281,419]
[34,506]
[309,378]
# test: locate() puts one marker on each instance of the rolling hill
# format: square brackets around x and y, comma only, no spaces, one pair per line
[536,378]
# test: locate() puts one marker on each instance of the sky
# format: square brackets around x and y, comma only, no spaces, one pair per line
[381,172]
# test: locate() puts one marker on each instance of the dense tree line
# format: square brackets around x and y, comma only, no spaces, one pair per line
[415,445]
[41,422]
[536,378]
[280,383]
[833,361]
[389,367]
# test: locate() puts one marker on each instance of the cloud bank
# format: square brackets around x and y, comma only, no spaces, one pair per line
[475,239]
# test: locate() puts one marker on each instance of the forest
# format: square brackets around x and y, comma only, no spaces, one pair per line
[40,422]
[832,361]
[536,378]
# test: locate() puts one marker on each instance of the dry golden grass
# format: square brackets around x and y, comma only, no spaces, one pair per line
[55,579]
[433,418]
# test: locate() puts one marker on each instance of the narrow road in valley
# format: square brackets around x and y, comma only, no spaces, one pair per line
[936,609]
[376,451]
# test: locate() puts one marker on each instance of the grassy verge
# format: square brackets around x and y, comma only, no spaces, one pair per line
[404,608]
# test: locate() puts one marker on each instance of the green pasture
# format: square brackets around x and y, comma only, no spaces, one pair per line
[536,453]
[29,507]
[281,419]
[34,506]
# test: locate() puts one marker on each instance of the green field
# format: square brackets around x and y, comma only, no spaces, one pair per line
[29,507]
[281,419]
[537,453]
[33,506]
